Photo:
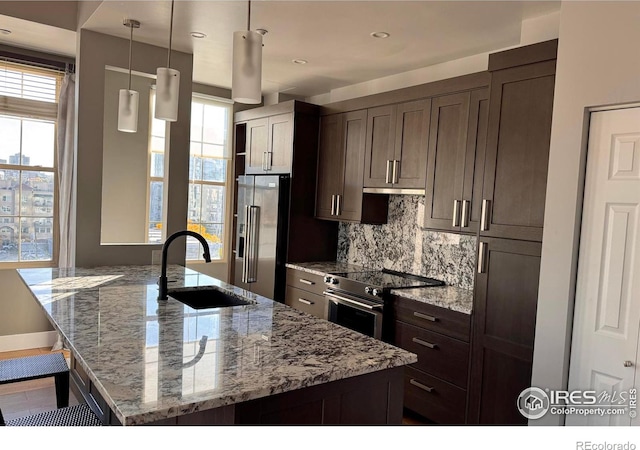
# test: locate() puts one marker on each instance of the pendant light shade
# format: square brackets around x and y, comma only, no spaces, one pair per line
[246,79]
[128,100]
[128,111]
[167,86]
[246,84]
[167,92]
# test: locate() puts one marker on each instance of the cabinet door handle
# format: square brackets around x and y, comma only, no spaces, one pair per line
[425,316]
[424,343]
[303,281]
[420,385]
[388,177]
[306,302]
[394,176]
[481,251]
[466,210]
[333,205]
[484,219]
[338,204]
[269,160]
[456,215]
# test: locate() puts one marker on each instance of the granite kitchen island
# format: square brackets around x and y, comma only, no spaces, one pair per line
[139,361]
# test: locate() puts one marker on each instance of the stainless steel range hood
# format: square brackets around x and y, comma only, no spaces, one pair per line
[394,191]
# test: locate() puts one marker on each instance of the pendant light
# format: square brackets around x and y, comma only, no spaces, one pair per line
[167,86]
[128,100]
[246,83]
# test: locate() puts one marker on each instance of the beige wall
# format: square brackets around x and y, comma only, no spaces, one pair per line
[538,29]
[125,162]
[97,51]
[60,14]
[20,312]
[597,65]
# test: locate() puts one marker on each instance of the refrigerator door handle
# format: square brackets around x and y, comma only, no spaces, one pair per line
[247,243]
[252,244]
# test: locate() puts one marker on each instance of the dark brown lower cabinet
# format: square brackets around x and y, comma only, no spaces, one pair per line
[85,390]
[505,302]
[436,386]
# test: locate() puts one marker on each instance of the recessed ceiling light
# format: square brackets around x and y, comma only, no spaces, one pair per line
[198,35]
[299,61]
[380,34]
[4,31]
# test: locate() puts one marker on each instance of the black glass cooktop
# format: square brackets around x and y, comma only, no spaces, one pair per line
[388,279]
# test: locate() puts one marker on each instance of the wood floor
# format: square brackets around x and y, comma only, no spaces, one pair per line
[29,397]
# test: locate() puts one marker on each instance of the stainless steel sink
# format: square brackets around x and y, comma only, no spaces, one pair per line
[204,298]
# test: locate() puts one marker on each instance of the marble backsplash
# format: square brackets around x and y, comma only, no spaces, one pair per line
[402,245]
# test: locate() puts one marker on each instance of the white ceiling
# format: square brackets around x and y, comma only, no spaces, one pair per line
[334,36]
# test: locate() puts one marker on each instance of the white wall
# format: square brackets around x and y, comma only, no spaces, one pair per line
[598,64]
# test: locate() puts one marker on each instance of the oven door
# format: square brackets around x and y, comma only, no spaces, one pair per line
[355,313]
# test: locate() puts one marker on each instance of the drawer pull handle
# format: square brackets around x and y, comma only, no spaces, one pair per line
[306,302]
[420,385]
[303,281]
[425,316]
[424,343]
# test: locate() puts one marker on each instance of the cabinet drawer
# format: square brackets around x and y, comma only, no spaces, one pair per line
[306,281]
[305,301]
[433,398]
[450,323]
[438,355]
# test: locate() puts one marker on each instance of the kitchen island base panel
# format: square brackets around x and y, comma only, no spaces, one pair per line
[370,399]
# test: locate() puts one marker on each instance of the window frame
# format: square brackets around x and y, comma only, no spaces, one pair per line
[227,184]
[35,110]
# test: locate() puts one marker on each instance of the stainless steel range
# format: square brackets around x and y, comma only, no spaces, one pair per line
[356,299]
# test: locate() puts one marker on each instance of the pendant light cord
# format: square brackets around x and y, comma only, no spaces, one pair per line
[249,17]
[170,36]
[130,45]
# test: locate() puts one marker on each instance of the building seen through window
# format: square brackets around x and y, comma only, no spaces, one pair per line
[28,221]
[209,158]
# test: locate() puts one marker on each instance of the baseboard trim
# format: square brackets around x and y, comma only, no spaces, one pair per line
[27,341]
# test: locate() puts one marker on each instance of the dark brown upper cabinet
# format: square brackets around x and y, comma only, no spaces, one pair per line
[269,145]
[457,141]
[396,145]
[339,193]
[517,155]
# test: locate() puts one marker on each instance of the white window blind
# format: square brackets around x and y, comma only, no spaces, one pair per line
[28,91]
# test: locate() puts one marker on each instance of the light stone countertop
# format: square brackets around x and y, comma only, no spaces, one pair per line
[140,354]
[449,297]
[323,268]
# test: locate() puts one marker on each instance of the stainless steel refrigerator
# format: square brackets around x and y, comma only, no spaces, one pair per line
[261,234]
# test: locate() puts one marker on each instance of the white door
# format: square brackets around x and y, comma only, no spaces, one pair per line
[604,351]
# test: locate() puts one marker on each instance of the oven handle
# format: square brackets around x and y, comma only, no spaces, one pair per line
[351,301]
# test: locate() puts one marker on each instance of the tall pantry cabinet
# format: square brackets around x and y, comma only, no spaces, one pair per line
[510,235]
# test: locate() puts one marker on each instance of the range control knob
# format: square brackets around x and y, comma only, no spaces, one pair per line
[377,292]
[334,280]
[368,290]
